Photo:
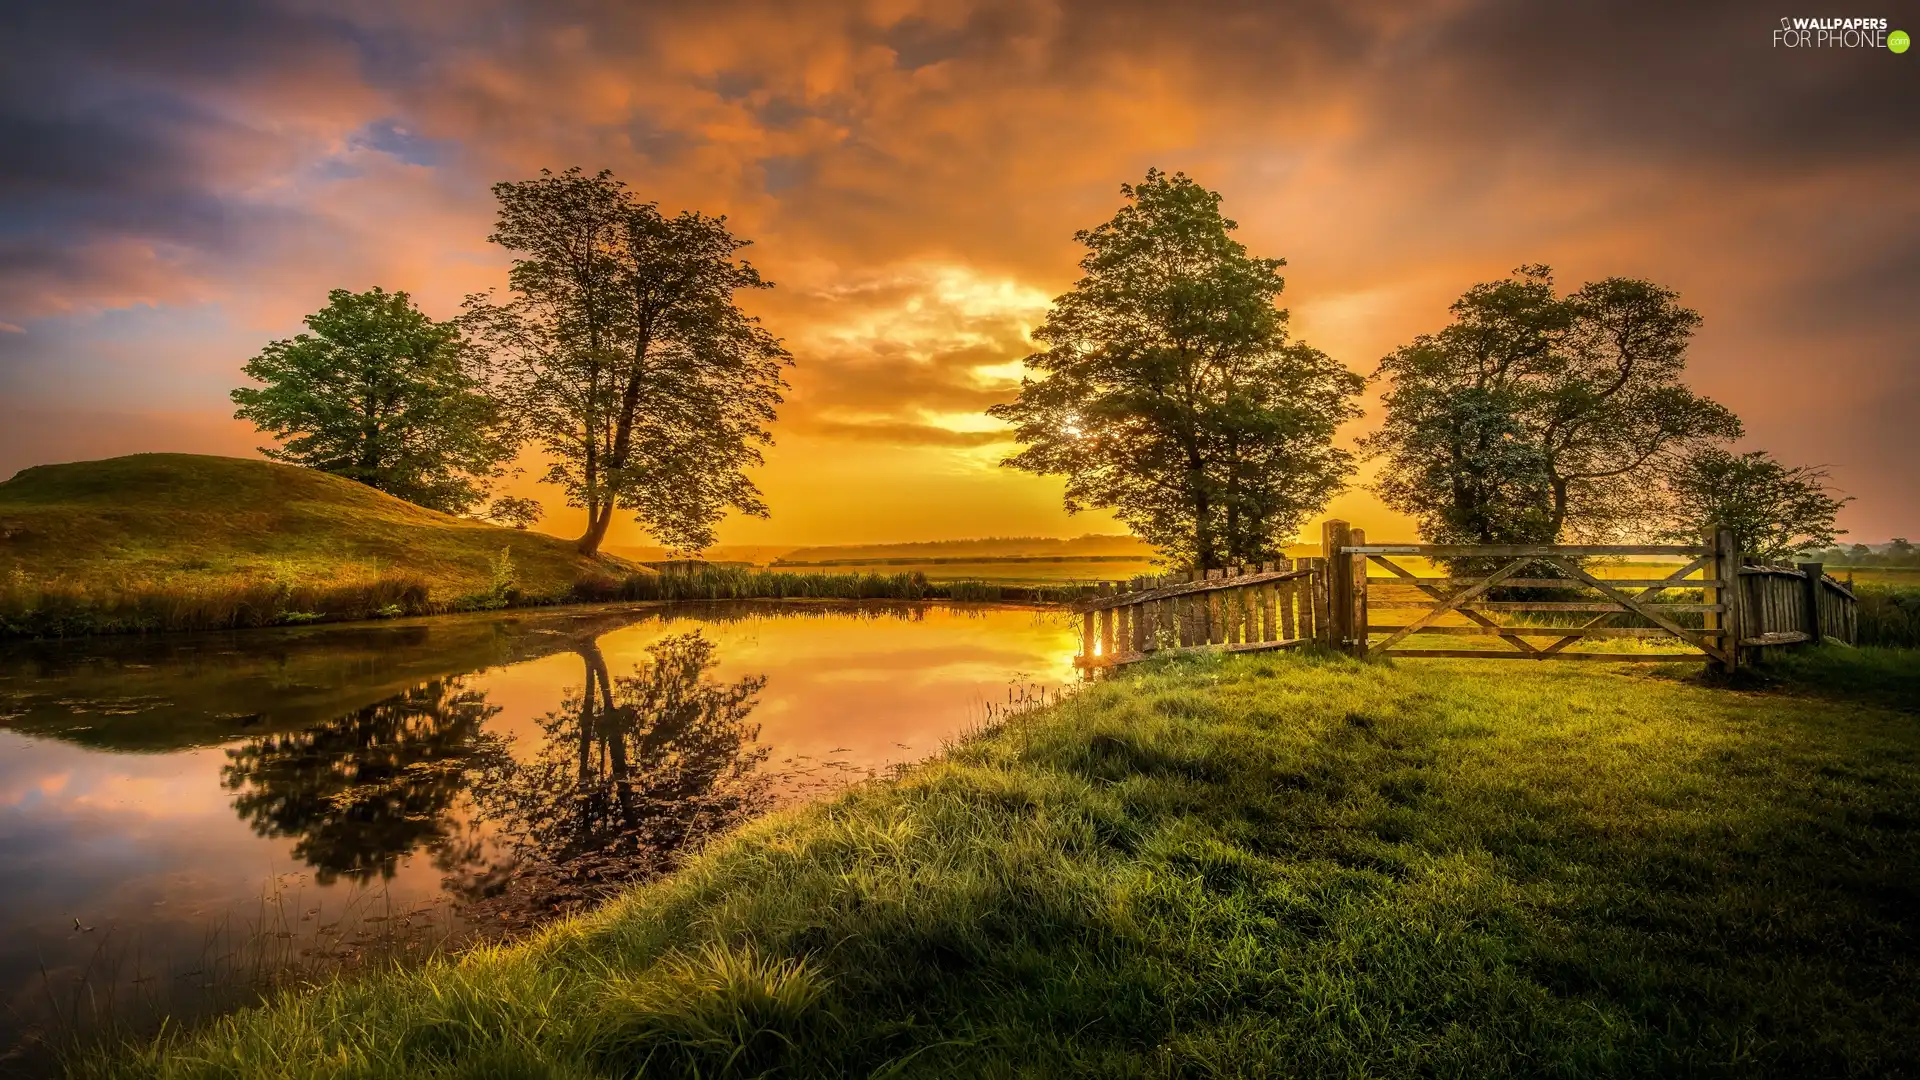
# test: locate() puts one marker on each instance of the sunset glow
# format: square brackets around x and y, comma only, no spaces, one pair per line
[183,185]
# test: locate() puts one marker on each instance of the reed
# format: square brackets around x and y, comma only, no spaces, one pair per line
[1889,615]
[72,608]
[739,583]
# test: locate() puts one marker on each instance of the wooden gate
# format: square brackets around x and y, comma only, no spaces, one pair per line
[1742,609]
[1644,597]
[1331,600]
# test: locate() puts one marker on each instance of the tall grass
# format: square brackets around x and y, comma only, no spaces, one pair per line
[739,583]
[1289,865]
[1889,615]
[73,608]
[70,608]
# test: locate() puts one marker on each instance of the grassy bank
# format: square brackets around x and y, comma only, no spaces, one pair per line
[1270,865]
[189,542]
[178,542]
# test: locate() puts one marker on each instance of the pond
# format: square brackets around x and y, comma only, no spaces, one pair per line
[183,818]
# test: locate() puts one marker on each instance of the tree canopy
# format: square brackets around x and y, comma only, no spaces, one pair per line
[622,347]
[1775,512]
[378,392]
[1168,390]
[1536,416]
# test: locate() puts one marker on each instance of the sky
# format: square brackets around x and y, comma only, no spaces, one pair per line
[183,181]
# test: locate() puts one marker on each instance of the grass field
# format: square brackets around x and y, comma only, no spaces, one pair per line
[1272,865]
[181,541]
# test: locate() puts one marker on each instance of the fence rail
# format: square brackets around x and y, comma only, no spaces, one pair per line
[1741,609]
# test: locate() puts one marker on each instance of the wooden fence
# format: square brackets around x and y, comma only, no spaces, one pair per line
[1332,599]
[1797,604]
[1245,609]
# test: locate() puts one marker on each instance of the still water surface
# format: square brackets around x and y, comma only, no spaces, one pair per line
[175,814]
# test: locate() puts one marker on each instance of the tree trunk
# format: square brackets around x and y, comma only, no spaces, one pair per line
[589,544]
[587,725]
[1559,517]
[1204,558]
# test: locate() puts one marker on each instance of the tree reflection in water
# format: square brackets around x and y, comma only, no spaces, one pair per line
[360,793]
[629,772]
[633,770]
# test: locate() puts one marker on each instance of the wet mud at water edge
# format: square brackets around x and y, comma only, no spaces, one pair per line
[188,821]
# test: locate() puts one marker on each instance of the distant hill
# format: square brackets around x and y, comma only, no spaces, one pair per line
[992,547]
[182,522]
[756,554]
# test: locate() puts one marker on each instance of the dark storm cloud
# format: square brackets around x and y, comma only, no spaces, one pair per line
[1700,83]
[119,126]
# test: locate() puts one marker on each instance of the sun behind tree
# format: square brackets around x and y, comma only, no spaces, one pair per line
[1170,393]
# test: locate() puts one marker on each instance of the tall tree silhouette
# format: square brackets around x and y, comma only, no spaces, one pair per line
[1169,392]
[623,349]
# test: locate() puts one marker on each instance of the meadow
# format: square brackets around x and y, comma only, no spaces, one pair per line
[1275,864]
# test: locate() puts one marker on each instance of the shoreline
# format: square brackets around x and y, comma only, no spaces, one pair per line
[933,592]
[1276,861]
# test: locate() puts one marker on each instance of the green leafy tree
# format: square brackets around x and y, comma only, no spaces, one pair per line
[1534,416]
[624,350]
[514,512]
[1169,392]
[1775,512]
[377,392]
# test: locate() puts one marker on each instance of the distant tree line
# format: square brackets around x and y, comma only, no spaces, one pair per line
[1166,389]
[1900,552]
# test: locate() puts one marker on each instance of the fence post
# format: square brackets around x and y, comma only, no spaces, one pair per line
[1086,641]
[1334,535]
[1213,609]
[1106,624]
[1814,593]
[1357,587]
[1733,621]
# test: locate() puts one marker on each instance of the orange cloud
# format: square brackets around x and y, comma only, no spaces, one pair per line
[912,172]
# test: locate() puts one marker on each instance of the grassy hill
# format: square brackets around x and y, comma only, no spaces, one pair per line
[178,541]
